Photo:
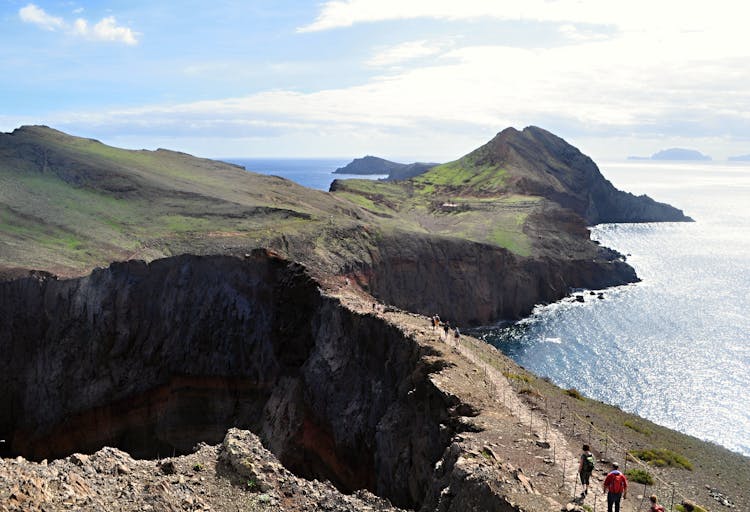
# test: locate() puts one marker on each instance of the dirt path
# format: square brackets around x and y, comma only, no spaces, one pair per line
[522,435]
[566,450]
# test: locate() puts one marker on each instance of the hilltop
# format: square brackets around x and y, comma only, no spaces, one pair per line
[69,204]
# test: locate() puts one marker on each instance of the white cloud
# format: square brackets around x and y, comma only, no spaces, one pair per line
[634,14]
[33,14]
[613,88]
[106,29]
[403,52]
[576,33]
[624,71]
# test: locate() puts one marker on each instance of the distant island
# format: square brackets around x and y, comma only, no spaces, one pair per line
[374,165]
[740,158]
[674,154]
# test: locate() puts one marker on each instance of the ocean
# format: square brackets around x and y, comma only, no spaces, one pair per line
[674,348]
[310,172]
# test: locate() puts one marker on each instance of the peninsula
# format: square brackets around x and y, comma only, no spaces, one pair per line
[151,300]
[374,165]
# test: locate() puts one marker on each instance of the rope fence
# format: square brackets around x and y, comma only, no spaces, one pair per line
[606,443]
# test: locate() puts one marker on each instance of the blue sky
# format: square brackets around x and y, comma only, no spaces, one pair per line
[407,79]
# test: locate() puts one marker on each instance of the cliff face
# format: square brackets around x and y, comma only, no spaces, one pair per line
[154,358]
[475,284]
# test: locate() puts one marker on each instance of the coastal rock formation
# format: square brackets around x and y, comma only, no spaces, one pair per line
[267,319]
[375,165]
[540,163]
[475,284]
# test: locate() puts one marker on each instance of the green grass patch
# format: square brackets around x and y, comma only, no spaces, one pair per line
[662,457]
[637,427]
[517,377]
[514,241]
[464,173]
[640,476]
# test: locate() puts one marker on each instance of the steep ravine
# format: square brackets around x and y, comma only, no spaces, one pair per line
[153,358]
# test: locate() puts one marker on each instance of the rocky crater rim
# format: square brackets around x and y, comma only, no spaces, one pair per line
[155,358]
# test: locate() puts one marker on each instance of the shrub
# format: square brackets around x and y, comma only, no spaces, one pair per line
[574,393]
[640,476]
[695,508]
[517,376]
[198,467]
[661,457]
[638,428]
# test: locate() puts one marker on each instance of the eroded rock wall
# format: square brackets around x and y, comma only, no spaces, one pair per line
[476,284]
[155,358]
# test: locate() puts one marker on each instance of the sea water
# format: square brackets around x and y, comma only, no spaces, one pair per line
[314,173]
[675,347]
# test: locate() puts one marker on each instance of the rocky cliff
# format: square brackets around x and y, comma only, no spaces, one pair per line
[474,284]
[154,358]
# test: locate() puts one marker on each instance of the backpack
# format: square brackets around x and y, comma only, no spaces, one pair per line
[657,508]
[617,485]
[588,463]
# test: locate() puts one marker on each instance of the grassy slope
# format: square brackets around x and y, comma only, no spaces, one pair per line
[464,199]
[68,204]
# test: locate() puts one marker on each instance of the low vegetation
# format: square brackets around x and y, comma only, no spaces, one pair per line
[517,377]
[573,392]
[662,457]
[637,427]
[640,476]
[689,507]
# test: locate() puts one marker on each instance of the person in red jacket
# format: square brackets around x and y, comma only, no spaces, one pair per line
[616,487]
[655,507]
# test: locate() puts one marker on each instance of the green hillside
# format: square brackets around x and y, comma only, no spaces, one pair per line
[68,204]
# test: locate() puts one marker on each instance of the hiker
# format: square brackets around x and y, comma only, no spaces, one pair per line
[616,487]
[457,335]
[654,506]
[586,464]
[433,321]
[446,329]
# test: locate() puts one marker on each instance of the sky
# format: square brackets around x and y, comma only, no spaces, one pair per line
[425,80]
